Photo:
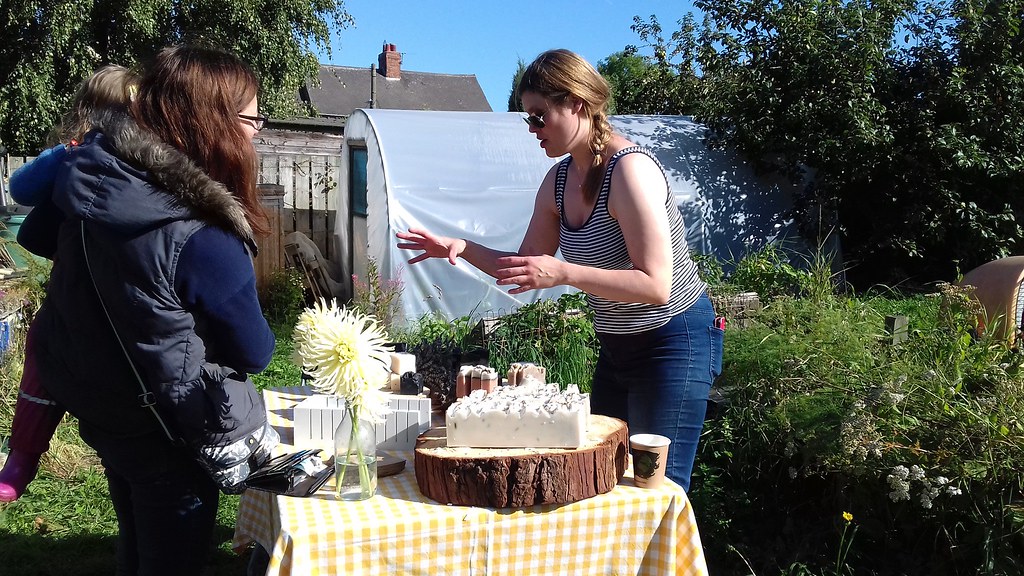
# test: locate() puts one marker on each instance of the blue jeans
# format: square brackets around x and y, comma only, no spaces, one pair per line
[166,505]
[658,381]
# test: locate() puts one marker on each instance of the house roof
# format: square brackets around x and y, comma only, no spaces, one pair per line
[344,89]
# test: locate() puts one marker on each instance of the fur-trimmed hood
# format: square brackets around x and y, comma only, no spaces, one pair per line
[129,180]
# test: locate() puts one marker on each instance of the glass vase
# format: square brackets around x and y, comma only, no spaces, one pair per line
[355,458]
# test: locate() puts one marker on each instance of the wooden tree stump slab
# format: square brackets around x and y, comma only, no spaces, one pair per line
[521,477]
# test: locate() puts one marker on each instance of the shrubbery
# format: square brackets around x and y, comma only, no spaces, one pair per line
[920,441]
[283,298]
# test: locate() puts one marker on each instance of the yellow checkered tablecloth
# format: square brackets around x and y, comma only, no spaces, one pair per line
[628,530]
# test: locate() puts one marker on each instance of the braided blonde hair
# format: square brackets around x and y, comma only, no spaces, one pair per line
[561,74]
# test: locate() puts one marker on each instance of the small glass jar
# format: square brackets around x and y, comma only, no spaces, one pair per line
[355,457]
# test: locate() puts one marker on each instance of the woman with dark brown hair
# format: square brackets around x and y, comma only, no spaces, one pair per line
[156,286]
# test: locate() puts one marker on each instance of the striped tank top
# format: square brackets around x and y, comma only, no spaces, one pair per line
[599,243]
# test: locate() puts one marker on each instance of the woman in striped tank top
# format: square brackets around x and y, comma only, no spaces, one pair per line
[608,208]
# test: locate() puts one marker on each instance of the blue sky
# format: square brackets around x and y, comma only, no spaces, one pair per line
[487,38]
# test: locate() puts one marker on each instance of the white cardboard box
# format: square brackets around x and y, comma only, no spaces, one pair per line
[317,417]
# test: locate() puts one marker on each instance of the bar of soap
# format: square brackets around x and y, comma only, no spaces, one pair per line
[519,372]
[402,362]
[463,380]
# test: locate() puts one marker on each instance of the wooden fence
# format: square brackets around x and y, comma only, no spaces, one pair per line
[309,185]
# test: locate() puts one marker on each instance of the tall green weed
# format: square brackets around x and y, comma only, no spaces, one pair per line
[557,334]
[377,297]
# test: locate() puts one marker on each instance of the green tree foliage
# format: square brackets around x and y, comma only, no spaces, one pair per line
[796,84]
[906,119]
[665,83]
[623,70]
[49,47]
[514,103]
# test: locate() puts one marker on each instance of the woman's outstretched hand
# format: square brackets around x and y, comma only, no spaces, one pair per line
[529,272]
[432,246]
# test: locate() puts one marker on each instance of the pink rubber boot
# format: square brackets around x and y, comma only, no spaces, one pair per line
[18,471]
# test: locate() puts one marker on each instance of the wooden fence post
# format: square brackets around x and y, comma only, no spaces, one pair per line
[271,253]
[896,329]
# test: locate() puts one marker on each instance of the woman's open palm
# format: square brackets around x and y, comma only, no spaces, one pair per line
[431,245]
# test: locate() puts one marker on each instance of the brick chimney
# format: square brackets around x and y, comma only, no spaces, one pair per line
[390,62]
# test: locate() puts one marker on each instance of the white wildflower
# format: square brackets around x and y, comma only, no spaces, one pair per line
[926,502]
[899,495]
[792,473]
[898,482]
[861,453]
[916,472]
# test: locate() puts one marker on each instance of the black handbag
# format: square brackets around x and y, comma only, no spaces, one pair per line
[297,474]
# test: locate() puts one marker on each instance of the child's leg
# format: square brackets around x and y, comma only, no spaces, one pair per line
[36,417]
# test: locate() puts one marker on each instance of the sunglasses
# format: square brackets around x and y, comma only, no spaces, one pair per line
[536,120]
[257,121]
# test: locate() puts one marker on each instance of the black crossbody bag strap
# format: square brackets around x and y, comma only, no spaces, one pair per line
[147,399]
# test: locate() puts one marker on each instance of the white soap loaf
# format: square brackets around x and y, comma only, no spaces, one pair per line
[532,415]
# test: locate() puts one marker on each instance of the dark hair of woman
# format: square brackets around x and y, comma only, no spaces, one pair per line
[190,97]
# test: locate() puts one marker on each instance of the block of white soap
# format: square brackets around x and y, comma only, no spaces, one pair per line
[402,362]
[532,415]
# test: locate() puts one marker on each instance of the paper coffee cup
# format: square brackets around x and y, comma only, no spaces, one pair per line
[650,455]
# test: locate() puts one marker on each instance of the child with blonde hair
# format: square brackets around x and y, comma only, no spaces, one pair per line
[36,416]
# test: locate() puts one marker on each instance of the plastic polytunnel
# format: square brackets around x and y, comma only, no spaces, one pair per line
[475,175]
